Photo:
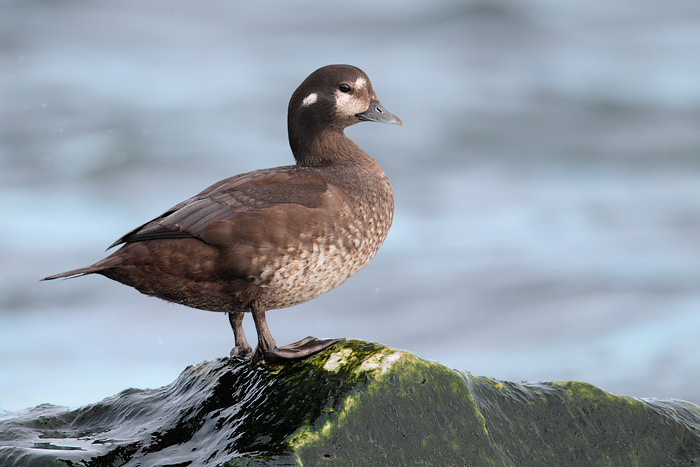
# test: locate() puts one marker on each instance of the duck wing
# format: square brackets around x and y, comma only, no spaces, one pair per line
[246,196]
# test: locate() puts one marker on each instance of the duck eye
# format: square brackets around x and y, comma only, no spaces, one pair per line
[344,87]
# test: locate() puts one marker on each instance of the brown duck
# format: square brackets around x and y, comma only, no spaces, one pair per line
[276,237]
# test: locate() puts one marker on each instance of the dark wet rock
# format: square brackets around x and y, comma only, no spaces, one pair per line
[357,404]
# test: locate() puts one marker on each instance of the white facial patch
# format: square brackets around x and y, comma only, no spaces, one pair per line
[348,103]
[310,99]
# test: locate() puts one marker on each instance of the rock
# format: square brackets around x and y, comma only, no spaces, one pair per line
[357,404]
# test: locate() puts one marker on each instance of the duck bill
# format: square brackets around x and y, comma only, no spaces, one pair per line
[378,113]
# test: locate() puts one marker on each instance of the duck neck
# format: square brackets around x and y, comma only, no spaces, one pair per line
[316,145]
[325,149]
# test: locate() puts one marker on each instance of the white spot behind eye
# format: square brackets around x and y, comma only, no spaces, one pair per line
[310,99]
[360,82]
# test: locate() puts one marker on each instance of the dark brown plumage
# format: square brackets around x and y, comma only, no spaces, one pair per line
[276,237]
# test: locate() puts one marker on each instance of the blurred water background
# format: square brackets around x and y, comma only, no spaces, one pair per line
[547,180]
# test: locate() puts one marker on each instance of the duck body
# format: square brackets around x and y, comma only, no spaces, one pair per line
[272,238]
[281,236]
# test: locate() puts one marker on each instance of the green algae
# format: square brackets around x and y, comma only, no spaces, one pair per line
[578,424]
[427,414]
[358,403]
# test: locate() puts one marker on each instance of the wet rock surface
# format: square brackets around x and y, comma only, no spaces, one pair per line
[357,404]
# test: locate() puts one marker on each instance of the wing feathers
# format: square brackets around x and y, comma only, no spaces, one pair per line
[227,199]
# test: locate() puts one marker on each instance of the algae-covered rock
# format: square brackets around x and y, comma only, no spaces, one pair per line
[356,404]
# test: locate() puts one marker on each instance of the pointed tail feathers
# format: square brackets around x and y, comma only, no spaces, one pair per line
[73,273]
[106,263]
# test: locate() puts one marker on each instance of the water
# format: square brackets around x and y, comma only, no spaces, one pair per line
[228,412]
[547,179]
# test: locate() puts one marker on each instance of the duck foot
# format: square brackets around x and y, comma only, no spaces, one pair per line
[297,351]
[242,348]
[241,351]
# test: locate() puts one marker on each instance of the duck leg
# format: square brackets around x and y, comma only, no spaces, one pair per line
[267,347]
[242,348]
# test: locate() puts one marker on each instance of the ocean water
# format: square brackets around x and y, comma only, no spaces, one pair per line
[547,182]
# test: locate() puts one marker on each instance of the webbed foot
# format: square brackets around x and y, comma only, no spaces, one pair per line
[242,348]
[242,351]
[297,351]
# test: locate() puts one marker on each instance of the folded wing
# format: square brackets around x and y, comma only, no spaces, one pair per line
[229,199]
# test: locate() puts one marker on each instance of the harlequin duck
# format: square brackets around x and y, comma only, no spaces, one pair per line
[276,237]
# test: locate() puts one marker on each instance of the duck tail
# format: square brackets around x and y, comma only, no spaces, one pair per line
[106,263]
